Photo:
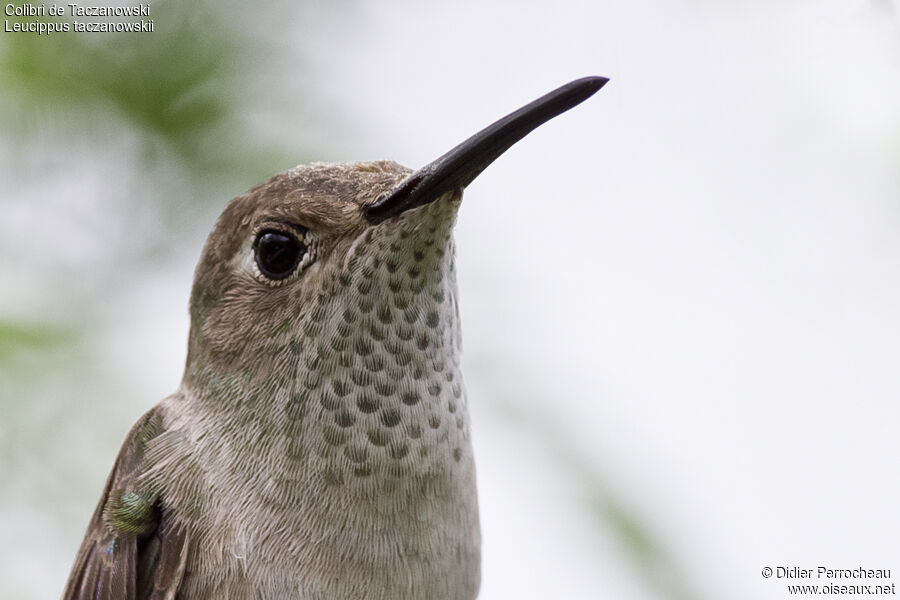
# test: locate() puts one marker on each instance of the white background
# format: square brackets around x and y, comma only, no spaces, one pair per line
[690,282]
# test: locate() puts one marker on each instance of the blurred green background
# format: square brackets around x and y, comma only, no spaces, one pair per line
[706,257]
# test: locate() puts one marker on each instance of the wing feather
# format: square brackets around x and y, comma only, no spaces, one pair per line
[133,549]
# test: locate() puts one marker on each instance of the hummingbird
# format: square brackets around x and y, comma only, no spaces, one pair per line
[319,444]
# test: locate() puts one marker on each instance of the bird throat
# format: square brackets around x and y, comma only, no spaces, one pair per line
[357,445]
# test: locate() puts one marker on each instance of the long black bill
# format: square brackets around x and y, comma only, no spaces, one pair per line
[456,169]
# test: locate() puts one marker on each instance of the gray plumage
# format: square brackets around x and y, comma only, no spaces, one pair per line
[318,446]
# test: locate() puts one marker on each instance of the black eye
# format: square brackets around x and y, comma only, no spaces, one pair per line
[278,253]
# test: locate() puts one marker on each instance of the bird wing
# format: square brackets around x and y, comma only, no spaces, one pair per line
[133,549]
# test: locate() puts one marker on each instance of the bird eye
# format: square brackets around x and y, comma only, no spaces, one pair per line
[278,253]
